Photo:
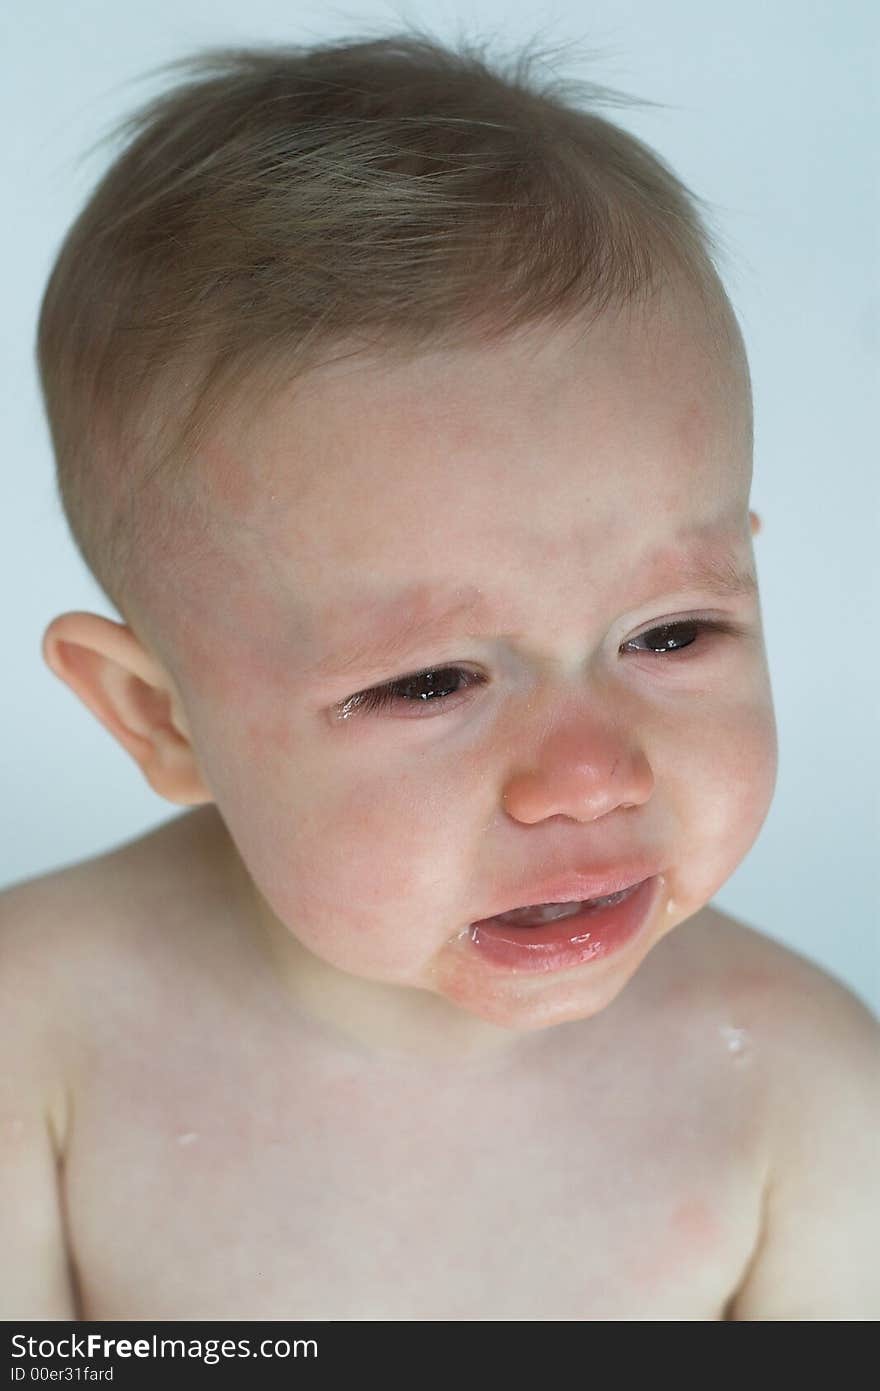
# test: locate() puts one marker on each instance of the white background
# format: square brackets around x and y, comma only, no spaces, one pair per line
[769,112]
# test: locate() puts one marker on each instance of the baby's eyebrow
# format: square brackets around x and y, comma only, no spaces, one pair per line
[419,615]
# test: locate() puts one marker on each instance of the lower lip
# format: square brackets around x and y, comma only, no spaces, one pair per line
[557,946]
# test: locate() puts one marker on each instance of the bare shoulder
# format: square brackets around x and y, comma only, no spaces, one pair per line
[801,1018]
[819,1046]
[119,876]
[120,937]
[48,965]
[142,881]
[820,1038]
[799,1024]
[787,990]
[78,934]
[71,958]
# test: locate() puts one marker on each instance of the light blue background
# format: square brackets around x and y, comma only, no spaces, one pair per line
[771,115]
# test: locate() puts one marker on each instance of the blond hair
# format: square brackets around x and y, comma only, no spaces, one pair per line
[393,191]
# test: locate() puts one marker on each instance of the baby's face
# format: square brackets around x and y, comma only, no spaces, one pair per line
[549,495]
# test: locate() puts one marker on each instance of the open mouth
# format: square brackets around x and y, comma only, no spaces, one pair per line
[538,913]
[558,936]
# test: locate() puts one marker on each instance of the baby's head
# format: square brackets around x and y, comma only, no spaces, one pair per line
[400,413]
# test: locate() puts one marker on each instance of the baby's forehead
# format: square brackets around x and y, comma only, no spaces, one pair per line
[269,599]
[372,404]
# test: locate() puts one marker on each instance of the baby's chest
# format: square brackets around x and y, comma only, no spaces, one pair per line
[380,1208]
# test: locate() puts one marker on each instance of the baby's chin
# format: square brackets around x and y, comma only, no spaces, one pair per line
[531,1003]
[538,1017]
[535,986]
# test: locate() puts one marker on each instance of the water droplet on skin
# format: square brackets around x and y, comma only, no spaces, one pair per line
[187,1137]
[737,1040]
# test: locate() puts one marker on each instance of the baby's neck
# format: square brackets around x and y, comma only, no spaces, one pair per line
[391,1023]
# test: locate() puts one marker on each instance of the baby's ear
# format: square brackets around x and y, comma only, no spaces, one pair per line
[132,695]
[756,523]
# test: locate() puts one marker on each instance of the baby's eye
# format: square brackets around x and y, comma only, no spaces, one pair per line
[675,637]
[440,684]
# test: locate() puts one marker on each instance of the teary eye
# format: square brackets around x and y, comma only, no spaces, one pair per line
[677,634]
[439,685]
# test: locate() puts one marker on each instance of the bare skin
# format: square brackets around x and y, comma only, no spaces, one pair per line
[217,1164]
[280,1080]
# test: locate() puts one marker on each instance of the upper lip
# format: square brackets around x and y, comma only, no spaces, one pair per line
[576,886]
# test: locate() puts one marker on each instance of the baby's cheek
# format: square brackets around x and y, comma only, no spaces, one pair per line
[749,763]
[382,827]
[732,787]
[345,859]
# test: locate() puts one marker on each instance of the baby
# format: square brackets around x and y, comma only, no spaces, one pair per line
[399,410]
